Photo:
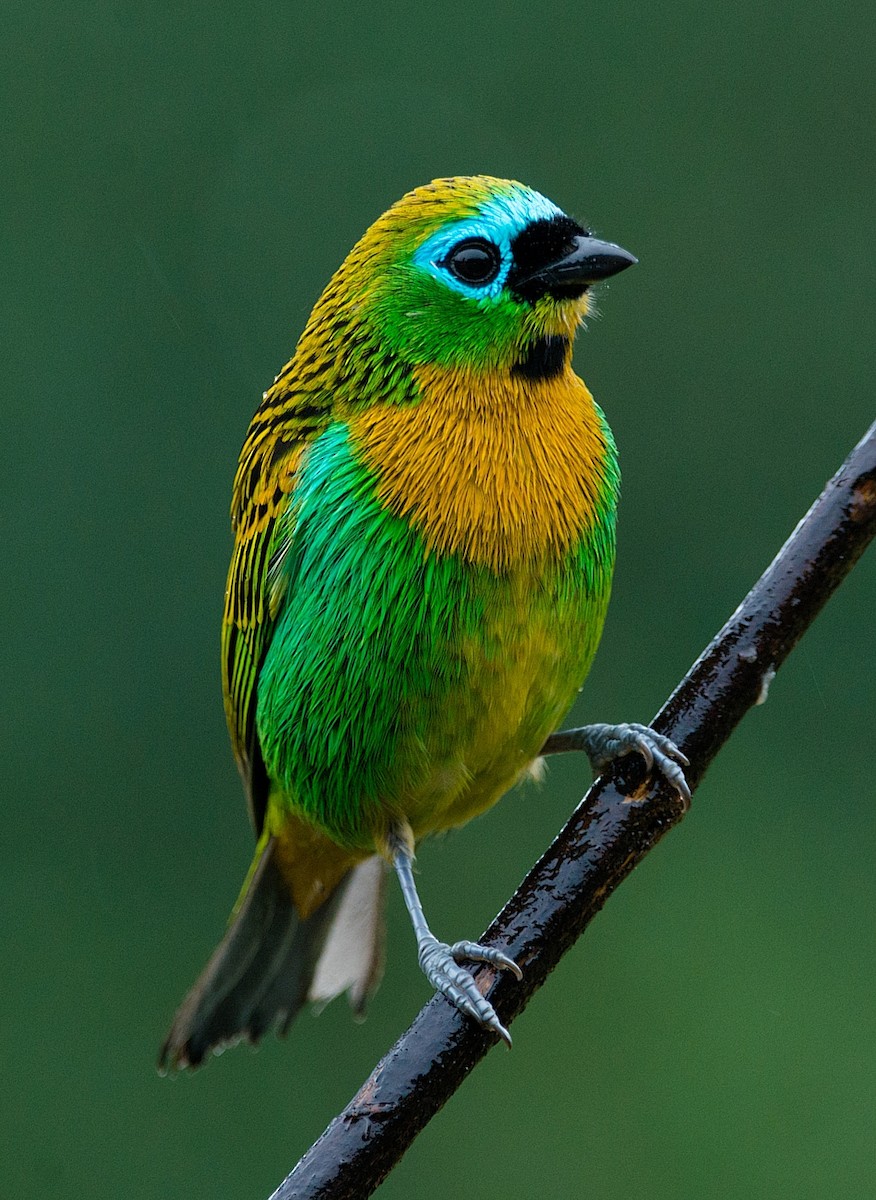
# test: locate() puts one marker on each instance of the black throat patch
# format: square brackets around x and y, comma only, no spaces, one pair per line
[544,358]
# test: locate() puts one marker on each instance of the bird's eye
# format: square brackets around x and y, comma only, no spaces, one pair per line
[474,261]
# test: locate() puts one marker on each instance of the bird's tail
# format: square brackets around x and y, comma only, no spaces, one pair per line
[270,961]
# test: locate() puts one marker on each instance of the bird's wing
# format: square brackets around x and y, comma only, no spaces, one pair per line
[289,417]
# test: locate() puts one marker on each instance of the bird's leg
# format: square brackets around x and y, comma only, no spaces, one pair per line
[439,961]
[604,743]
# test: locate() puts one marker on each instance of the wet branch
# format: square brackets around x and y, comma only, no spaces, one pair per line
[601,843]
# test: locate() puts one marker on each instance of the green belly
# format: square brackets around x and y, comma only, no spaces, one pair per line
[520,671]
[401,685]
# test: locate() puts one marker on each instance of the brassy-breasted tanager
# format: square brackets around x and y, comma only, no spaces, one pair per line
[424,538]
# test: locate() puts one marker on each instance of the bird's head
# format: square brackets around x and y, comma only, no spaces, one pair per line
[472,272]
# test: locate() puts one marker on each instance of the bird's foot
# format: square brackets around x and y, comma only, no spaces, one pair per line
[604,743]
[440,965]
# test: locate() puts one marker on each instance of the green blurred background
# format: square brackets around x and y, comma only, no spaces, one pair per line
[182,179]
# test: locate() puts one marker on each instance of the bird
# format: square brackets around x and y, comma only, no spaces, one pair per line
[423,517]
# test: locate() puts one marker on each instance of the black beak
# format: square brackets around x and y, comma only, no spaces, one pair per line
[587,260]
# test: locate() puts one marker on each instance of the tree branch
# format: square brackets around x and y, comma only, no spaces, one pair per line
[622,816]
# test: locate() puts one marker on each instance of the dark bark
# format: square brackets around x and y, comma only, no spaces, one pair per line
[622,816]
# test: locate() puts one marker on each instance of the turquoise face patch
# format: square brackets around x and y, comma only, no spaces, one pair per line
[499,221]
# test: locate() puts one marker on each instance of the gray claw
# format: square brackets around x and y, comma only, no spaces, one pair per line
[674,774]
[503,1033]
[604,743]
[440,965]
[645,750]
[475,952]
[659,752]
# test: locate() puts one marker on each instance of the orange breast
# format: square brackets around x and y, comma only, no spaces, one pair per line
[499,469]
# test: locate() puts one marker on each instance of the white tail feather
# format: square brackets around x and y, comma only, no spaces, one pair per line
[353,953]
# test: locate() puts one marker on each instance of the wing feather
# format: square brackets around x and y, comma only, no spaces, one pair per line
[289,417]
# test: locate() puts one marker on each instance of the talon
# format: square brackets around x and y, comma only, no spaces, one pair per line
[503,1033]
[645,750]
[604,743]
[508,964]
[440,962]
[440,965]
[488,954]
[676,777]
